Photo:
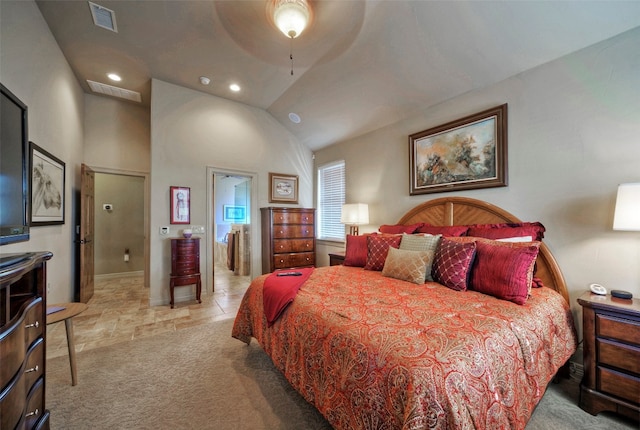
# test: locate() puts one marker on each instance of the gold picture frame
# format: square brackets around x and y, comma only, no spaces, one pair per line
[283,188]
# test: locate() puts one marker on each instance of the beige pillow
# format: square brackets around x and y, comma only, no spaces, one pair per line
[409,266]
[422,242]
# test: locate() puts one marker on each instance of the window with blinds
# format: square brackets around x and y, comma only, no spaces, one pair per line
[331,186]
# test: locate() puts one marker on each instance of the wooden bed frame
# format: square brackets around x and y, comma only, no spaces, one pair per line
[449,211]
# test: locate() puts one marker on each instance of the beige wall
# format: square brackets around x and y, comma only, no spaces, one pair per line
[117,134]
[573,136]
[34,69]
[191,131]
[121,228]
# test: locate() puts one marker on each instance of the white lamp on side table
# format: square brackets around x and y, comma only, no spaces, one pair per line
[627,212]
[627,218]
[354,215]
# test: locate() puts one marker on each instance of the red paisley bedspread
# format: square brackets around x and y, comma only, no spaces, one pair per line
[372,352]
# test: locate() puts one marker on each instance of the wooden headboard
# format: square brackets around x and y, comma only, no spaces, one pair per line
[464,210]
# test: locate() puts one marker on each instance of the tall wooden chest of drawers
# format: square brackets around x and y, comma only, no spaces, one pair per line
[288,238]
[23,320]
[611,380]
[185,265]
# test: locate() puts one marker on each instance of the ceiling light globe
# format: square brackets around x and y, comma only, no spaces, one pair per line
[291,17]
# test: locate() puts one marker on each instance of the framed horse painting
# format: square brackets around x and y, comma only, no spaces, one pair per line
[47,187]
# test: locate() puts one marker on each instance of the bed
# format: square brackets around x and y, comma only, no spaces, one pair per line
[373,352]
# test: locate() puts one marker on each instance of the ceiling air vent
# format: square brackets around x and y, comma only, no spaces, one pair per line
[112,91]
[103,17]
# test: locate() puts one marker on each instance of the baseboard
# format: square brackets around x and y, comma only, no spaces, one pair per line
[119,275]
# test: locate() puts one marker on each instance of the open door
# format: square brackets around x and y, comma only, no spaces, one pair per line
[87,190]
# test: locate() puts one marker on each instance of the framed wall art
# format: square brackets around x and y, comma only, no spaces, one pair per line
[464,154]
[283,188]
[180,205]
[47,187]
[234,213]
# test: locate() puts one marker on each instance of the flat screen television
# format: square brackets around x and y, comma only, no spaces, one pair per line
[14,164]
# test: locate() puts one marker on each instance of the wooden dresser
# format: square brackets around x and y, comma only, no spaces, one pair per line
[611,380]
[22,340]
[185,265]
[288,238]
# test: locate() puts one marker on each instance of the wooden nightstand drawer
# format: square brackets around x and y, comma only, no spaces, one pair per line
[621,356]
[619,384]
[293,218]
[618,328]
[611,380]
[302,259]
[292,245]
[289,231]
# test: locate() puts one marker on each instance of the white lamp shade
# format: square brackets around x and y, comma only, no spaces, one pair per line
[355,214]
[291,16]
[627,212]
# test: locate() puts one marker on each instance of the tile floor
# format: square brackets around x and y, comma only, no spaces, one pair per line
[119,311]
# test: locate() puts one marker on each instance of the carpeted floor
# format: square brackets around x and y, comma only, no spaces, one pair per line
[201,378]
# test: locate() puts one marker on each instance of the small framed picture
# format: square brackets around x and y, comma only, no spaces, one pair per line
[283,188]
[47,187]
[180,205]
[233,213]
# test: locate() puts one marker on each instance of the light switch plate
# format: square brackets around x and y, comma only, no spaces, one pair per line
[164,230]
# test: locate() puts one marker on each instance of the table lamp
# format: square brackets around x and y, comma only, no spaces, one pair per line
[627,218]
[354,215]
[627,212]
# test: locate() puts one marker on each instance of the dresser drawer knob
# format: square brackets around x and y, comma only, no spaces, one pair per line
[281,232]
[33,414]
[34,325]
[281,246]
[282,261]
[33,369]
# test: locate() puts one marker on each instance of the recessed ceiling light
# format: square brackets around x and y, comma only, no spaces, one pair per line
[234,87]
[204,80]
[114,77]
[295,118]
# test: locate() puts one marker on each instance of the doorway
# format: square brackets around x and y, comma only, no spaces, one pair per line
[120,224]
[232,222]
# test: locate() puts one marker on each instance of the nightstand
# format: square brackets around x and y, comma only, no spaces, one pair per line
[336,258]
[611,380]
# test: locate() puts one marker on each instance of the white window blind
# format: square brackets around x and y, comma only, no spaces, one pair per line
[330,200]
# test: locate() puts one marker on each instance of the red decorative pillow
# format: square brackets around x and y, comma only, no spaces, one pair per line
[504,270]
[444,230]
[356,251]
[378,248]
[399,228]
[506,230]
[452,263]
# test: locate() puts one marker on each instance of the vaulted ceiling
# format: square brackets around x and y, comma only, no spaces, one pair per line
[360,65]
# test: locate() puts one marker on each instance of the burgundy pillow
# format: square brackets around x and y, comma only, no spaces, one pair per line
[399,228]
[444,230]
[452,263]
[356,251]
[378,248]
[505,230]
[504,271]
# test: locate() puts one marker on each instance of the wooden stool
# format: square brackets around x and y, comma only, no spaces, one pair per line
[70,310]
